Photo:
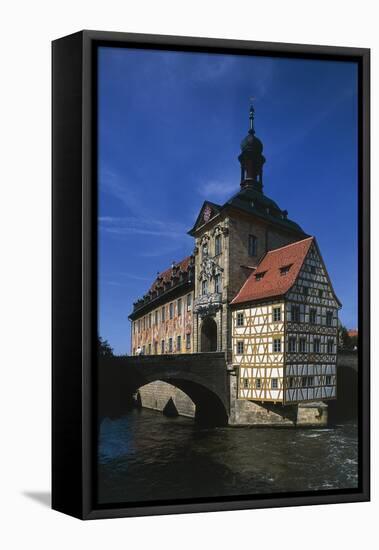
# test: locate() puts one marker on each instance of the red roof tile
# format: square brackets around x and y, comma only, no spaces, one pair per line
[273,283]
[166,275]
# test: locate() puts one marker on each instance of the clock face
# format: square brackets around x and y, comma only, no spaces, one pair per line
[207,213]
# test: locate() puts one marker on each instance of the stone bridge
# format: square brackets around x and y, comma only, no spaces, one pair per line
[202,376]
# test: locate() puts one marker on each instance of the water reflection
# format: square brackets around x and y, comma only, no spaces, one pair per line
[146,456]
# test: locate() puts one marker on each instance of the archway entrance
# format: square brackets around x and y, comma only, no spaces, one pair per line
[209,335]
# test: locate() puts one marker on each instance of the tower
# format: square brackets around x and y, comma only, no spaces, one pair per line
[251,158]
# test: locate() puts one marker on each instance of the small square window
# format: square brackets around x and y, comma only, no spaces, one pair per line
[292,344]
[274,383]
[295,314]
[240,319]
[330,346]
[240,347]
[276,314]
[302,345]
[217,245]
[277,345]
[312,316]
[316,345]
[252,245]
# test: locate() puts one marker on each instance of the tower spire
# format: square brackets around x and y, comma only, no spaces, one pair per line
[251,157]
[251,117]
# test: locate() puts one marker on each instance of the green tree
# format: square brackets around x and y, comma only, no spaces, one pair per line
[104,348]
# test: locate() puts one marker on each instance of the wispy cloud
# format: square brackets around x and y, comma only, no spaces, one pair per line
[218,190]
[123,226]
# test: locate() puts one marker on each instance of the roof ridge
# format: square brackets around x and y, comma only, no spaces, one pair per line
[290,244]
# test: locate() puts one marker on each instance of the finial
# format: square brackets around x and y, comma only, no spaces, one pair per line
[251,116]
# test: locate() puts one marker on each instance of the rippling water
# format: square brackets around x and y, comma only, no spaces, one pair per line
[146,456]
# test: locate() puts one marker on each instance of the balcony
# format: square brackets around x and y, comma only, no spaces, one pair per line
[207,304]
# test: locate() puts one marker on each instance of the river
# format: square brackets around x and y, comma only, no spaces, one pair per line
[145,456]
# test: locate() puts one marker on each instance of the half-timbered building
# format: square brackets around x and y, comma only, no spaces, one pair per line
[285,320]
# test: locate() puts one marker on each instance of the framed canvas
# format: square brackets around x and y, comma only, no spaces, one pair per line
[210,275]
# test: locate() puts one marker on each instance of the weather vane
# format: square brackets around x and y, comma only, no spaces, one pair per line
[251,114]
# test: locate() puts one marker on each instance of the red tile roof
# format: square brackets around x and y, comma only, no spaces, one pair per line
[166,275]
[273,283]
[352,332]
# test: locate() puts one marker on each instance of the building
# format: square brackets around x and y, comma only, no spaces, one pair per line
[255,288]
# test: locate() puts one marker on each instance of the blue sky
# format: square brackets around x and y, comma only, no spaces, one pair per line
[170,127]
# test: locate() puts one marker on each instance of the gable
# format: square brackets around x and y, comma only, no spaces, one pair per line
[208,211]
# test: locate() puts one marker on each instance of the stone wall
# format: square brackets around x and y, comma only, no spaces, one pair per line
[166,398]
[245,412]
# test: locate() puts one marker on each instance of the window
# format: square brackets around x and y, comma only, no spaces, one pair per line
[162,346]
[149,349]
[240,319]
[320,293]
[310,381]
[328,380]
[312,316]
[276,314]
[179,306]
[330,346]
[178,343]
[240,347]
[245,383]
[163,316]
[277,345]
[259,276]
[149,320]
[188,341]
[313,269]
[316,345]
[329,318]
[274,383]
[204,287]
[217,245]
[156,317]
[304,381]
[258,383]
[189,302]
[217,283]
[252,245]
[171,310]
[285,269]
[292,344]
[291,382]
[305,290]
[204,250]
[295,314]
[170,345]
[302,345]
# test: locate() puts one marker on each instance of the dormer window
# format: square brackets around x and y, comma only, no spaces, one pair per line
[259,276]
[285,269]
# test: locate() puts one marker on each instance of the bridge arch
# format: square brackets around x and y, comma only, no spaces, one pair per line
[202,377]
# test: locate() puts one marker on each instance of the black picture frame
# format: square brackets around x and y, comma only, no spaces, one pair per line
[74,295]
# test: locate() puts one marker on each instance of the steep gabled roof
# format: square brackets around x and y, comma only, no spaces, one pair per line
[268,280]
